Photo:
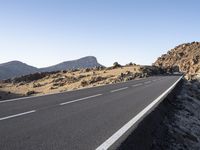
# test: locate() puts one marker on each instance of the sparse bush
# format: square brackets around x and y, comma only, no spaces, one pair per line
[81,76]
[62,84]
[87,69]
[75,70]
[93,73]
[96,79]
[98,68]
[57,75]
[21,83]
[84,83]
[36,85]
[116,64]
[130,64]
[55,84]
[29,78]
[30,93]
[52,88]
[59,79]
[128,73]
[64,71]
[6,81]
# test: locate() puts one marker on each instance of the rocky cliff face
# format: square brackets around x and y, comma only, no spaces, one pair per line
[184,58]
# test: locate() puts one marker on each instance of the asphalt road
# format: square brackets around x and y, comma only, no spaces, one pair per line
[76,120]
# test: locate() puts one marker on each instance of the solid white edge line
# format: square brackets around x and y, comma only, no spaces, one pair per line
[119,89]
[80,99]
[17,115]
[110,141]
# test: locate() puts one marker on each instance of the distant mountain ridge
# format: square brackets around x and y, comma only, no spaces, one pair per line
[16,68]
[85,62]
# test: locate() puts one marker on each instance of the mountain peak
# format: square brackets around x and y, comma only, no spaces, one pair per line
[84,62]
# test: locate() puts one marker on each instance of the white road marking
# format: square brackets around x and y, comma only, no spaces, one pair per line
[137,84]
[111,140]
[147,82]
[80,99]
[154,80]
[15,99]
[119,89]
[26,98]
[17,115]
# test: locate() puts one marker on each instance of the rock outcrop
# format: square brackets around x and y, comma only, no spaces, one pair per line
[184,58]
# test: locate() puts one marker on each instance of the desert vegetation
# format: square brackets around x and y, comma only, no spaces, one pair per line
[66,80]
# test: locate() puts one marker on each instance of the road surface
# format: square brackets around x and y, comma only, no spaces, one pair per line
[87,119]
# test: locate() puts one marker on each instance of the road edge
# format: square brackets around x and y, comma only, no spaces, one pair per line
[118,137]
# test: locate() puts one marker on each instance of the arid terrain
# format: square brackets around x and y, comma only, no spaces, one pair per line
[179,128]
[184,58]
[60,81]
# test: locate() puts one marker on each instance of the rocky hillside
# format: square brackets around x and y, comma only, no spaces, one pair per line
[16,68]
[184,58]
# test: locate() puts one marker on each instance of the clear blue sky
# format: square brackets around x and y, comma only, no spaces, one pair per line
[46,32]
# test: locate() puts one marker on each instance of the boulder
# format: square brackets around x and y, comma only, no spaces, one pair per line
[116,65]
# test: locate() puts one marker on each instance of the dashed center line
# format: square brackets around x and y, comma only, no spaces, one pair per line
[119,89]
[139,84]
[80,99]
[147,82]
[17,115]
